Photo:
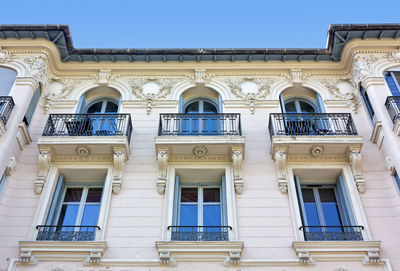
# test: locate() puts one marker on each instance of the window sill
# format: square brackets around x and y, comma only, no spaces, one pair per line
[172,251]
[366,251]
[87,251]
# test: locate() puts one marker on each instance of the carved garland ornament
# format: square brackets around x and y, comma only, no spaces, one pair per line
[237,158]
[280,163]
[150,99]
[119,163]
[251,98]
[44,166]
[162,156]
[355,164]
[351,98]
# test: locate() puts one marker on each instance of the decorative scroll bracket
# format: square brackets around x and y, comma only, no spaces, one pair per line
[162,156]
[44,166]
[237,158]
[119,163]
[355,164]
[280,163]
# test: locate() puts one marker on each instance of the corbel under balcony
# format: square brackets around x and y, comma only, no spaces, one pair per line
[200,149]
[311,251]
[89,252]
[171,252]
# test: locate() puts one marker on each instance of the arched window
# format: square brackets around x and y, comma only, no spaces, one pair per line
[102,106]
[201,106]
[299,105]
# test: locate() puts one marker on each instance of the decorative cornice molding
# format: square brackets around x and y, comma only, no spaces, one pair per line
[319,158]
[5,56]
[194,158]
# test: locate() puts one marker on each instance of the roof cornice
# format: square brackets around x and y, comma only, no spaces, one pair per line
[338,36]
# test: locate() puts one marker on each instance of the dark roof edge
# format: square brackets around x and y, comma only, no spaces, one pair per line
[338,36]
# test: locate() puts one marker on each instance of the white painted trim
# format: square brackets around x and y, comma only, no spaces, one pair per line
[169,196]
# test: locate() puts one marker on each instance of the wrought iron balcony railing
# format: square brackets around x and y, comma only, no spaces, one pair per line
[66,233]
[393,107]
[310,124]
[227,124]
[6,107]
[332,233]
[200,233]
[88,125]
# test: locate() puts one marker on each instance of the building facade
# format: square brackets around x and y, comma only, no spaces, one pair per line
[208,159]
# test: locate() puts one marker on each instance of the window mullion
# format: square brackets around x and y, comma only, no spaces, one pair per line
[297,104]
[103,107]
[319,206]
[81,206]
[200,207]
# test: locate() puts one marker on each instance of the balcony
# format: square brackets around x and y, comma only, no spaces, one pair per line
[332,233]
[88,136]
[66,233]
[313,135]
[392,105]
[199,233]
[6,107]
[180,134]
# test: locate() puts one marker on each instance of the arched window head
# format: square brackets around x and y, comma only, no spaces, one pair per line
[301,100]
[200,99]
[99,100]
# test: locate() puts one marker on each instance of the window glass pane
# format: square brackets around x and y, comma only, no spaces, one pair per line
[306,107]
[7,79]
[327,195]
[367,102]
[329,207]
[188,215]
[391,84]
[111,107]
[310,207]
[3,181]
[308,195]
[73,195]
[94,195]
[90,215]
[211,195]
[189,195]
[212,215]
[192,108]
[290,107]
[68,214]
[209,108]
[96,108]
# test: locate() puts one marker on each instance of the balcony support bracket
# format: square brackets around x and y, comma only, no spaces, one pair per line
[44,166]
[237,158]
[355,164]
[162,156]
[280,163]
[119,163]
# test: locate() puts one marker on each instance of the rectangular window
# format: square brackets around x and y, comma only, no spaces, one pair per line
[199,212]
[367,103]
[326,212]
[73,213]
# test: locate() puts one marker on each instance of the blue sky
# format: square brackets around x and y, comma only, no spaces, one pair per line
[199,24]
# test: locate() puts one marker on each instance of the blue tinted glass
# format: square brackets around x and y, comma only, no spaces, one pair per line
[368,104]
[392,85]
[331,213]
[290,107]
[90,215]
[311,214]
[212,215]
[188,215]
[68,214]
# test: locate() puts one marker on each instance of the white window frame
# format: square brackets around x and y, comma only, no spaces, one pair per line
[169,197]
[47,195]
[82,203]
[353,195]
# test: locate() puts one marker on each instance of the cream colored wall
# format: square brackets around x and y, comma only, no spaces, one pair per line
[264,217]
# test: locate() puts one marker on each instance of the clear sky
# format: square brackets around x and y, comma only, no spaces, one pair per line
[199,24]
